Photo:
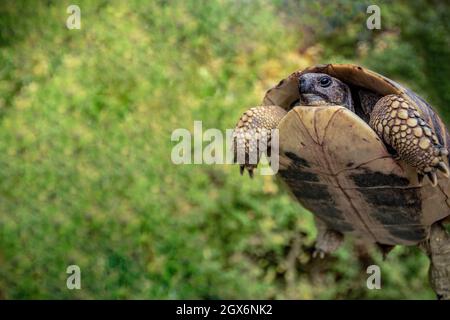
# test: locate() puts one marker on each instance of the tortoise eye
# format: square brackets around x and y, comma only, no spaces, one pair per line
[325,82]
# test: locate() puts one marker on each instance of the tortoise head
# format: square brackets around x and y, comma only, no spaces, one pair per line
[318,89]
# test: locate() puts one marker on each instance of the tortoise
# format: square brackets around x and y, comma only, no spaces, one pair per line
[354,147]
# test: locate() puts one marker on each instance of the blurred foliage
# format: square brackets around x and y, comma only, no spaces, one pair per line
[85,123]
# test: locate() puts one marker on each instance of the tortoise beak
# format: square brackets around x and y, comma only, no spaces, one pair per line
[303,85]
[310,99]
[304,88]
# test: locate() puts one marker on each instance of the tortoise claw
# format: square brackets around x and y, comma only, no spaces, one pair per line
[443,168]
[420,177]
[250,172]
[385,249]
[249,168]
[433,178]
[318,254]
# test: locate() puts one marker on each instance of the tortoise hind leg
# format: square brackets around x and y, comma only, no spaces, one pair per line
[327,241]
[437,248]
[401,126]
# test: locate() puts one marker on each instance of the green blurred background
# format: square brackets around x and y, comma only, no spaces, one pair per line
[86,118]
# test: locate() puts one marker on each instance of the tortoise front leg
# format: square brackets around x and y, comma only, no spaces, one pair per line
[253,129]
[437,248]
[401,126]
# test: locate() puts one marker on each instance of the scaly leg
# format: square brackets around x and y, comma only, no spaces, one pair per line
[253,129]
[327,241]
[437,248]
[401,126]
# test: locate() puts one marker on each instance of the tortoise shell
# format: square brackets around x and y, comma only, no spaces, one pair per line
[340,170]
